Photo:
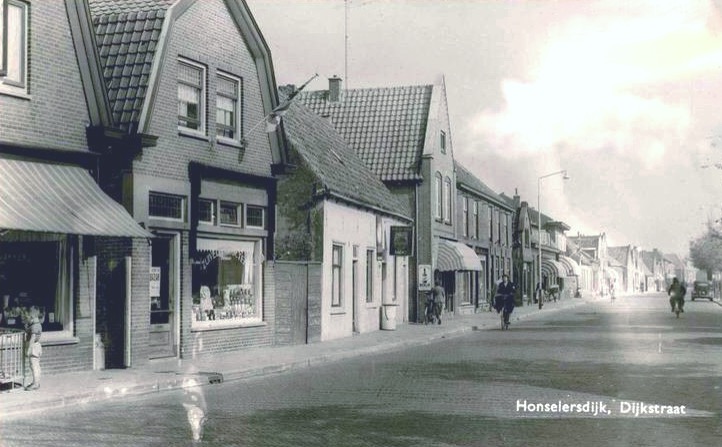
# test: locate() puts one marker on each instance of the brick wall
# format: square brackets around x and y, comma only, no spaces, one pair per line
[218,47]
[298,302]
[55,113]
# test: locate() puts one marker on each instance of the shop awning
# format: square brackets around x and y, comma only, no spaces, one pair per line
[552,267]
[571,265]
[54,198]
[456,256]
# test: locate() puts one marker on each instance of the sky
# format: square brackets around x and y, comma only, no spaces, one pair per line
[622,94]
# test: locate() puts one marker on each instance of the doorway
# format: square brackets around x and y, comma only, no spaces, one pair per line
[163,295]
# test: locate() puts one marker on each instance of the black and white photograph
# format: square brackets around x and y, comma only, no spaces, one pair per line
[360,223]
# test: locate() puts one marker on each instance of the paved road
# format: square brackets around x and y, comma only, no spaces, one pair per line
[571,378]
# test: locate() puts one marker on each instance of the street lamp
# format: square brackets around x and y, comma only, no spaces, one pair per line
[539,241]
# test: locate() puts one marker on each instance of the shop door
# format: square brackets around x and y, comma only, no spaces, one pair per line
[163,295]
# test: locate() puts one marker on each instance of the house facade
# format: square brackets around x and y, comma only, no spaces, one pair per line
[195,167]
[344,217]
[523,254]
[485,224]
[54,217]
[403,135]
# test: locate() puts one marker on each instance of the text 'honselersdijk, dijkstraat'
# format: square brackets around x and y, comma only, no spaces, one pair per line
[598,407]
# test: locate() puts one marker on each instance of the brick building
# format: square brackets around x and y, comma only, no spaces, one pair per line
[53,215]
[195,167]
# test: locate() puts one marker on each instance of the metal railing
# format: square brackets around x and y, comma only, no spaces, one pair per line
[12,359]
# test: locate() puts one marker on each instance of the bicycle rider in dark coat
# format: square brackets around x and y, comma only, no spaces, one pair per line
[676,292]
[504,300]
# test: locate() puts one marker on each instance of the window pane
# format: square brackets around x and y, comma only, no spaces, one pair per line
[35,273]
[190,74]
[223,285]
[165,205]
[205,211]
[227,87]
[16,45]
[190,96]
[254,217]
[229,213]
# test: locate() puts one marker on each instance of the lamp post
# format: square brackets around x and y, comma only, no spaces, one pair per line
[539,242]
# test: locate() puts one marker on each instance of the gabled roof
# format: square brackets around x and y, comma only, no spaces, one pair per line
[619,253]
[385,126]
[472,183]
[342,173]
[127,34]
[132,37]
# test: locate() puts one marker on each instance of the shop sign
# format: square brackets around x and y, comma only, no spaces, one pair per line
[155,281]
[425,277]
[401,238]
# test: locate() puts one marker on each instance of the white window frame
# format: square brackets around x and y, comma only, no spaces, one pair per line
[337,277]
[238,129]
[263,216]
[439,205]
[214,213]
[475,232]
[465,217]
[370,269]
[447,200]
[17,87]
[202,105]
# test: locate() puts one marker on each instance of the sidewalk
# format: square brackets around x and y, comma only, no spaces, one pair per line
[60,390]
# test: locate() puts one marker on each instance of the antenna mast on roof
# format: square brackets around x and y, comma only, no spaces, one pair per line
[345,47]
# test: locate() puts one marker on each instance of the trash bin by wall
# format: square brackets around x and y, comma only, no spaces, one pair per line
[388,316]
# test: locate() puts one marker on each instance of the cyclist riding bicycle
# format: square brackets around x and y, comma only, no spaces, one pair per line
[504,299]
[676,294]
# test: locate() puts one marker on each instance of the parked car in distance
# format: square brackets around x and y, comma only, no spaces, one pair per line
[701,290]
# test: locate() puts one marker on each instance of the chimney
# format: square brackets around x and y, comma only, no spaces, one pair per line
[334,89]
[517,199]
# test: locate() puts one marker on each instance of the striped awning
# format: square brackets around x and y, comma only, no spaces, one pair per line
[552,267]
[571,265]
[53,198]
[456,256]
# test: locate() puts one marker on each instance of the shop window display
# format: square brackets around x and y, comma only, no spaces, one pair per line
[35,271]
[225,283]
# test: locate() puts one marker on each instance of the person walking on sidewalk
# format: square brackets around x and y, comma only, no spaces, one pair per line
[438,298]
[504,299]
[33,330]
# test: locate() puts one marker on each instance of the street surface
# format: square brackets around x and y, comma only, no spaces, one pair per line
[626,373]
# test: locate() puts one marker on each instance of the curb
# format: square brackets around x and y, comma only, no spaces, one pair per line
[177,380]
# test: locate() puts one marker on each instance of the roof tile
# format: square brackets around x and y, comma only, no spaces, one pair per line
[385,126]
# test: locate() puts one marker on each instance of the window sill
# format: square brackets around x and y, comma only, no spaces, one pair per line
[14,91]
[222,325]
[338,312]
[193,134]
[228,142]
[58,339]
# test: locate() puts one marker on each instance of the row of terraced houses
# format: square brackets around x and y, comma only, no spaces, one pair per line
[151,206]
